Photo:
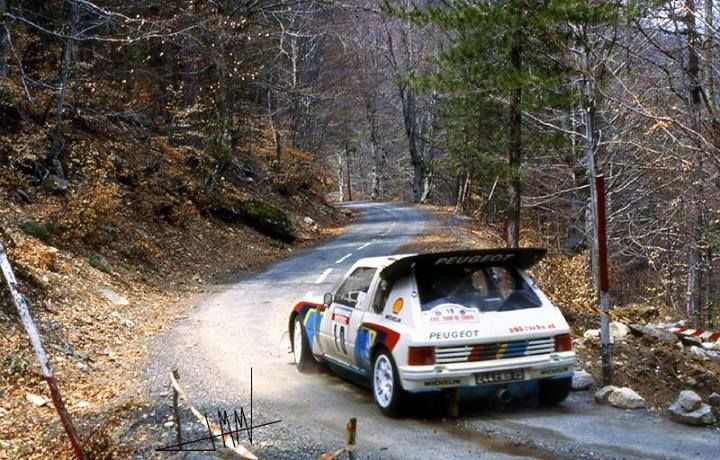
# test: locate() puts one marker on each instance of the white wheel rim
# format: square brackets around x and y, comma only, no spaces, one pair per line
[297,342]
[383,380]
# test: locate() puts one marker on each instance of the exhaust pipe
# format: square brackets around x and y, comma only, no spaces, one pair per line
[503,395]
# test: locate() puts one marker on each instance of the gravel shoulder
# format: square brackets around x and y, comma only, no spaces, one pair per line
[243,326]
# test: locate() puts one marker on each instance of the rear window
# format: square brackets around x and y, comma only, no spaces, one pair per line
[486,288]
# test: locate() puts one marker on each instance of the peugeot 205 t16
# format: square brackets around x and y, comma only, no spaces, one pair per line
[432,322]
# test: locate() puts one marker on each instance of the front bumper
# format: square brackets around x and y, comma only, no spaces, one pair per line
[438,376]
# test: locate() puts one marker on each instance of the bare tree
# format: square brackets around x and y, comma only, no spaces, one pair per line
[4,39]
[64,77]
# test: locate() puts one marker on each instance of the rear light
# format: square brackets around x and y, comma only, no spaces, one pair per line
[563,342]
[421,356]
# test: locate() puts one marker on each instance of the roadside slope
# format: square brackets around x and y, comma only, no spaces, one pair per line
[122,249]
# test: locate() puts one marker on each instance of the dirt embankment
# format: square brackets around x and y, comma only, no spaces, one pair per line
[120,250]
[657,370]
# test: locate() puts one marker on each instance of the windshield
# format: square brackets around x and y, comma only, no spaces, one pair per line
[486,288]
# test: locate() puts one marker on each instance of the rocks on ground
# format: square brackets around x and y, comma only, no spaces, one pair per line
[714,400]
[691,410]
[36,400]
[654,332]
[100,263]
[309,222]
[259,215]
[618,331]
[582,380]
[704,354]
[622,398]
[128,323]
[114,298]
[55,184]
[602,395]
[689,400]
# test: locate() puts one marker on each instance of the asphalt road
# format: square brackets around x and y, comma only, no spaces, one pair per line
[243,326]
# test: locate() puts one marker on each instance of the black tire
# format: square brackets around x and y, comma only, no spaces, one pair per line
[386,387]
[302,353]
[554,391]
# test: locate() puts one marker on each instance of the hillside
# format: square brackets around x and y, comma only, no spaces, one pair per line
[123,248]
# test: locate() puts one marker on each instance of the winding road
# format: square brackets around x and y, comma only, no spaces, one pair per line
[242,326]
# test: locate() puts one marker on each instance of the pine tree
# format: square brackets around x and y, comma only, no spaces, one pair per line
[507,57]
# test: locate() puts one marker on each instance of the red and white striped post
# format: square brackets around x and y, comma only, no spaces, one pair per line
[603,279]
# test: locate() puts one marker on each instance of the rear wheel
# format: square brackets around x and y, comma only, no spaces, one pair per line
[554,391]
[302,353]
[387,390]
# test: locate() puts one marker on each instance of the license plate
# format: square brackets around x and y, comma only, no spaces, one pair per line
[500,376]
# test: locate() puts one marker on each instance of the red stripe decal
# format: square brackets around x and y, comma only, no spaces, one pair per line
[391,337]
[698,332]
[715,337]
[299,306]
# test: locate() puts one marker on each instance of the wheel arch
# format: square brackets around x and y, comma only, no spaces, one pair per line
[291,328]
[376,349]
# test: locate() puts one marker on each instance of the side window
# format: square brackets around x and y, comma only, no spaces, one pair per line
[381,296]
[358,282]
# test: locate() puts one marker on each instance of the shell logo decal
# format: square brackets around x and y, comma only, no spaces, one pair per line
[397,306]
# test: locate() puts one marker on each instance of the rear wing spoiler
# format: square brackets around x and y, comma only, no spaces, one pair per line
[522,258]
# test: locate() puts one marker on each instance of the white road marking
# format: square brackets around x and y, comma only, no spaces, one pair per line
[366,245]
[308,294]
[323,276]
[343,258]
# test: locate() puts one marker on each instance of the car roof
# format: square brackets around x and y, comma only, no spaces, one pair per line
[382,261]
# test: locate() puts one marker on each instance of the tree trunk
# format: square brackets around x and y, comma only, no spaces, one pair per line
[463,186]
[409,108]
[695,303]
[273,129]
[58,141]
[426,185]
[371,115]
[341,176]
[375,173]
[349,176]
[4,40]
[709,41]
[515,150]
[251,122]
[693,67]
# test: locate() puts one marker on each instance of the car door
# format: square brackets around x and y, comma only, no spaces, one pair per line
[344,316]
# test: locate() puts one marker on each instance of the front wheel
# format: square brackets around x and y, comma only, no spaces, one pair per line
[554,391]
[302,353]
[387,390]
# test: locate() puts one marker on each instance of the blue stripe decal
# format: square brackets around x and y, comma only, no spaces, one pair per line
[363,344]
[311,321]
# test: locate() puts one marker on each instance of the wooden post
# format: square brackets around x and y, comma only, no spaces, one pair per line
[42,357]
[350,438]
[176,410]
[603,280]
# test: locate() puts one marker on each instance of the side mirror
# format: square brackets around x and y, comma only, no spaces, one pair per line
[328,299]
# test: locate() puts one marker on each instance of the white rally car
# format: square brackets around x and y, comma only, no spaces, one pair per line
[429,322]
